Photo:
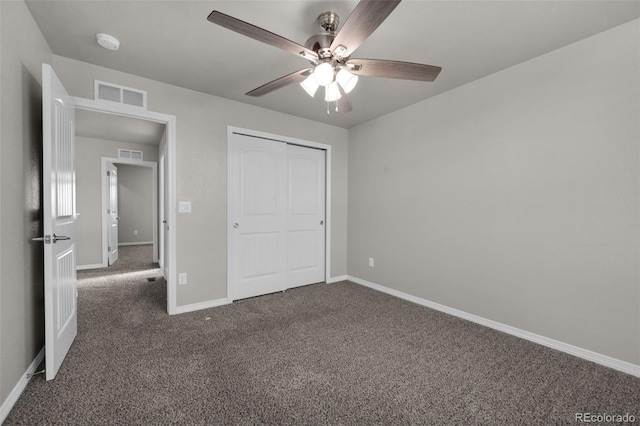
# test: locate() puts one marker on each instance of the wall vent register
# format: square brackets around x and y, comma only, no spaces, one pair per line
[120,94]
[128,153]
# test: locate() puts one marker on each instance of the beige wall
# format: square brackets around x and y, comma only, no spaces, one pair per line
[201,160]
[89,153]
[135,201]
[515,197]
[23,50]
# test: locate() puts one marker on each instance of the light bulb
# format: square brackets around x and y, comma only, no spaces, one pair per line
[332,92]
[310,85]
[347,80]
[323,74]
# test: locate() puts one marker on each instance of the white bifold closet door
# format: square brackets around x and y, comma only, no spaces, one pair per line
[277,216]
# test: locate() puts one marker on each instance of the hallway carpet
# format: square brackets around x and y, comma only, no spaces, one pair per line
[322,354]
[130,258]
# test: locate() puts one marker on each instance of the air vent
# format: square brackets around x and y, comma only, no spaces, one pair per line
[120,94]
[127,153]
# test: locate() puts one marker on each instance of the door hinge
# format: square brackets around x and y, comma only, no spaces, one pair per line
[109,248]
[108,173]
[108,211]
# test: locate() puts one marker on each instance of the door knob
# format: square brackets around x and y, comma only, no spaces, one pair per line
[236,225]
[59,237]
[322,222]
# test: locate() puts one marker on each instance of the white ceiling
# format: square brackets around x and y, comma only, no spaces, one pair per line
[172,42]
[97,125]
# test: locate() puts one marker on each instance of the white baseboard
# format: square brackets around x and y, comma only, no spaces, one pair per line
[17,390]
[201,305]
[141,243]
[337,279]
[607,361]
[90,266]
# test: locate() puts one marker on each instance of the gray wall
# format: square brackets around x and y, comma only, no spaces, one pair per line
[135,201]
[89,153]
[201,160]
[23,50]
[515,197]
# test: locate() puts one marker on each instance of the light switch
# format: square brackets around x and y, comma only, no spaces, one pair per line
[184,207]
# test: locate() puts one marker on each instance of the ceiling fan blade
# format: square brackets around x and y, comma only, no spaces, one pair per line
[343,104]
[294,77]
[363,21]
[393,69]
[260,34]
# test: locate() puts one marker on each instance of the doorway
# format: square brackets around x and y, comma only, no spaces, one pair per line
[130,207]
[166,185]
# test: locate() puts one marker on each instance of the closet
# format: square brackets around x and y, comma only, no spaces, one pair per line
[276,216]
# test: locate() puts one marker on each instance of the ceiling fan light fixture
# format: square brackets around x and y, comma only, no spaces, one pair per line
[310,85]
[347,80]
[332,92]
[323,74]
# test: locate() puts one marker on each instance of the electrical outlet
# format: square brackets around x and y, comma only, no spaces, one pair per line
[135,232]
[182,278]
[371,262]
[184,207]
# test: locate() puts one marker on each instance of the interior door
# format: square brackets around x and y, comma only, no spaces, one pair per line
[112,212]
[305,215]
[257,228]
[60,297]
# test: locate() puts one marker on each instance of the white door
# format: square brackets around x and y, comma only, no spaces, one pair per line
[112,212]
[276,216]
[61,314]
[305,215]
[257,227]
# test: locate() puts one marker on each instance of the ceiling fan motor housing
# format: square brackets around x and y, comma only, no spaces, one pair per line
[321,42]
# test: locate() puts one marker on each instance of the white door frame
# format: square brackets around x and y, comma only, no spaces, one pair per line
[105,201]
[269,136]
[170,174]
[161,202]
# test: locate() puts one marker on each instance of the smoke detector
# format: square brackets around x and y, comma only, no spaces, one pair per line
[107,41]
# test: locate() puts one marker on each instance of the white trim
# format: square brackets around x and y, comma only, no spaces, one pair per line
[170,177]
[327,231]
[17,390]
[90,266]
[607,361]
[141,243]
[105,202]
[201,305]
[337,279]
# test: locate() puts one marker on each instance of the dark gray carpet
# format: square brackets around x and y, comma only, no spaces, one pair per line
[130,258]
[322,354]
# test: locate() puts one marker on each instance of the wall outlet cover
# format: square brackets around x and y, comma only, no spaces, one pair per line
[182,278]
[184,207]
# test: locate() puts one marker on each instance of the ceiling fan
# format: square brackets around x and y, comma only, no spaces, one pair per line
[330,53]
